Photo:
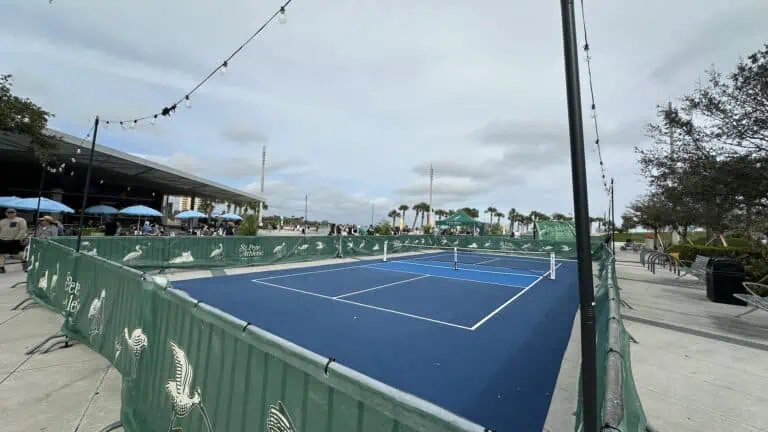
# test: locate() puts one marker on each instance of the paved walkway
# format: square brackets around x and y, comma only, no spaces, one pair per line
[696,366]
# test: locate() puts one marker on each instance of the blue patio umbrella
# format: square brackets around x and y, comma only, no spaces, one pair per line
[140,211]
[5,201]
[101,209]
[230,217]
[46,205]
[190,214]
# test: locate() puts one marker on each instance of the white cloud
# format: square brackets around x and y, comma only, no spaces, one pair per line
[355,99]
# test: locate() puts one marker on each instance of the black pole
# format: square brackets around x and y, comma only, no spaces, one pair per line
[87,183]
[39,198]
[613,219]
[581,215]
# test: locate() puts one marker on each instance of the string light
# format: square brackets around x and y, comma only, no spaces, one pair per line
[101,181]
[73,160]
[593,113]
[168,110]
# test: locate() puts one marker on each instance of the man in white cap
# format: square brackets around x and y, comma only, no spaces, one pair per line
[13,231]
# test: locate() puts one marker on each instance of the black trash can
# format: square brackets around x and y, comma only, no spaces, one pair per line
[724,278]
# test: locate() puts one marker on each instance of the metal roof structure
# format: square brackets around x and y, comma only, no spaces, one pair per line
[109,163]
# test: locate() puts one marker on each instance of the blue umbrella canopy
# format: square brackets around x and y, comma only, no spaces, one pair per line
[190,214]
[101,210]
[139,210]
[5,201]
[46,205]
[230,217]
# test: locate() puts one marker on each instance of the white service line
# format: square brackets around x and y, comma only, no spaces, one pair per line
[487,261]
[498,309]
[447,277]
[312,272]
[367,306]
[469,269]
[381,286]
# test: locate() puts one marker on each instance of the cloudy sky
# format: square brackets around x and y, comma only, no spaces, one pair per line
[355,98]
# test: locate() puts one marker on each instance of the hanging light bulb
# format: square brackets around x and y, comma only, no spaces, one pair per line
[122,125]
[78,151]
[106,123]
[101,181]
[223,68]
[282,18]
[129,188]
[187,102]
[72,173]
[73,160]
[62,165]
[153,194]
[133,125]
[153,120]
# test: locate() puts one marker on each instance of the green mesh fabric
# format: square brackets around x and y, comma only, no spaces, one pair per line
[619,404]
[556,230]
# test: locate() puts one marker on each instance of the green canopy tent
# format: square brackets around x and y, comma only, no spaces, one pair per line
[460,219]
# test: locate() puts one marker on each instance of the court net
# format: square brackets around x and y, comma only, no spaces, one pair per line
[536,263]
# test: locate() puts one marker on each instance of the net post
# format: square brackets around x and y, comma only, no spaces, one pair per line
[455,258]
[552,265]
[385,249]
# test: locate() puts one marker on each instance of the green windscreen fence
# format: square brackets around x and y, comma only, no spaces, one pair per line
[147,252]
[188,366]
[555,230]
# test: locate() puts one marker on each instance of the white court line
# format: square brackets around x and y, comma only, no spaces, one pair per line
[469,269]
[487,261]
[515,297]
[366,306]
[446,277]
[381,286]
[312,272]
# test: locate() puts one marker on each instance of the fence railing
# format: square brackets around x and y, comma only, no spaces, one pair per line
[188,365]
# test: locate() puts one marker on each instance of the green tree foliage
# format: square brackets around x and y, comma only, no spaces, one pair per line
[22,116]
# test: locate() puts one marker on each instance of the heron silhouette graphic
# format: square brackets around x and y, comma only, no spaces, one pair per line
[179,389]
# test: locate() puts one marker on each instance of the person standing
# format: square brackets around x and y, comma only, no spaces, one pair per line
[47,228]
[13,232]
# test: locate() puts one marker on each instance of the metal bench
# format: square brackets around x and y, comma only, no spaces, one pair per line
[697,268]
[753,300]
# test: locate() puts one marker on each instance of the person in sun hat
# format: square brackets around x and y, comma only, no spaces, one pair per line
[13,232]
[47,228]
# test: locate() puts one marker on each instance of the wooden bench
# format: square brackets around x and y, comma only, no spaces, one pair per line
[753,300]
[697,268]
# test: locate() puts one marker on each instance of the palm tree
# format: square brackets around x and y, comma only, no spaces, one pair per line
[421,208]
[451,212]
[403,208]
[393,214]
[498,215]
[440,213]
[559,216]
[491,212]
[471,212]
[512,215]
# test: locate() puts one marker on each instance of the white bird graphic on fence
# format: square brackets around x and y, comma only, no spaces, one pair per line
[136,343]
[319,245]
[185,257]
[279,249]
[443,241]
[43,282]
[473,246]
[362,244]
[565,248]
[375,247]
[96,314]
[183,398]
[32,262]
[487,245]
[133,255]
[37,261]
[218,251]
[92,252]
[547,248]
[55,278]
[278,419]
[303,247]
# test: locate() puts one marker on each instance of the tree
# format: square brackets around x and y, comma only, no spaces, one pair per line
[559,217]
[652,213]
[512,216]
[491,211]
[451,212]
[498,215]
[539,216]
[471,212]
[393,214]
[628,221]
[421,208]
[440,214]
[22,116]
[403,208]
[206,206]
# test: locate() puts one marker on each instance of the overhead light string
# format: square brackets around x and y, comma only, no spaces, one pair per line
[588,57]
[168,110]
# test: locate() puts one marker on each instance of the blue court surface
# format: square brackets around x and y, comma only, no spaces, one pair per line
[484,340]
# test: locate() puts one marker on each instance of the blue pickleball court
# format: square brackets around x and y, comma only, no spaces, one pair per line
[482,335]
